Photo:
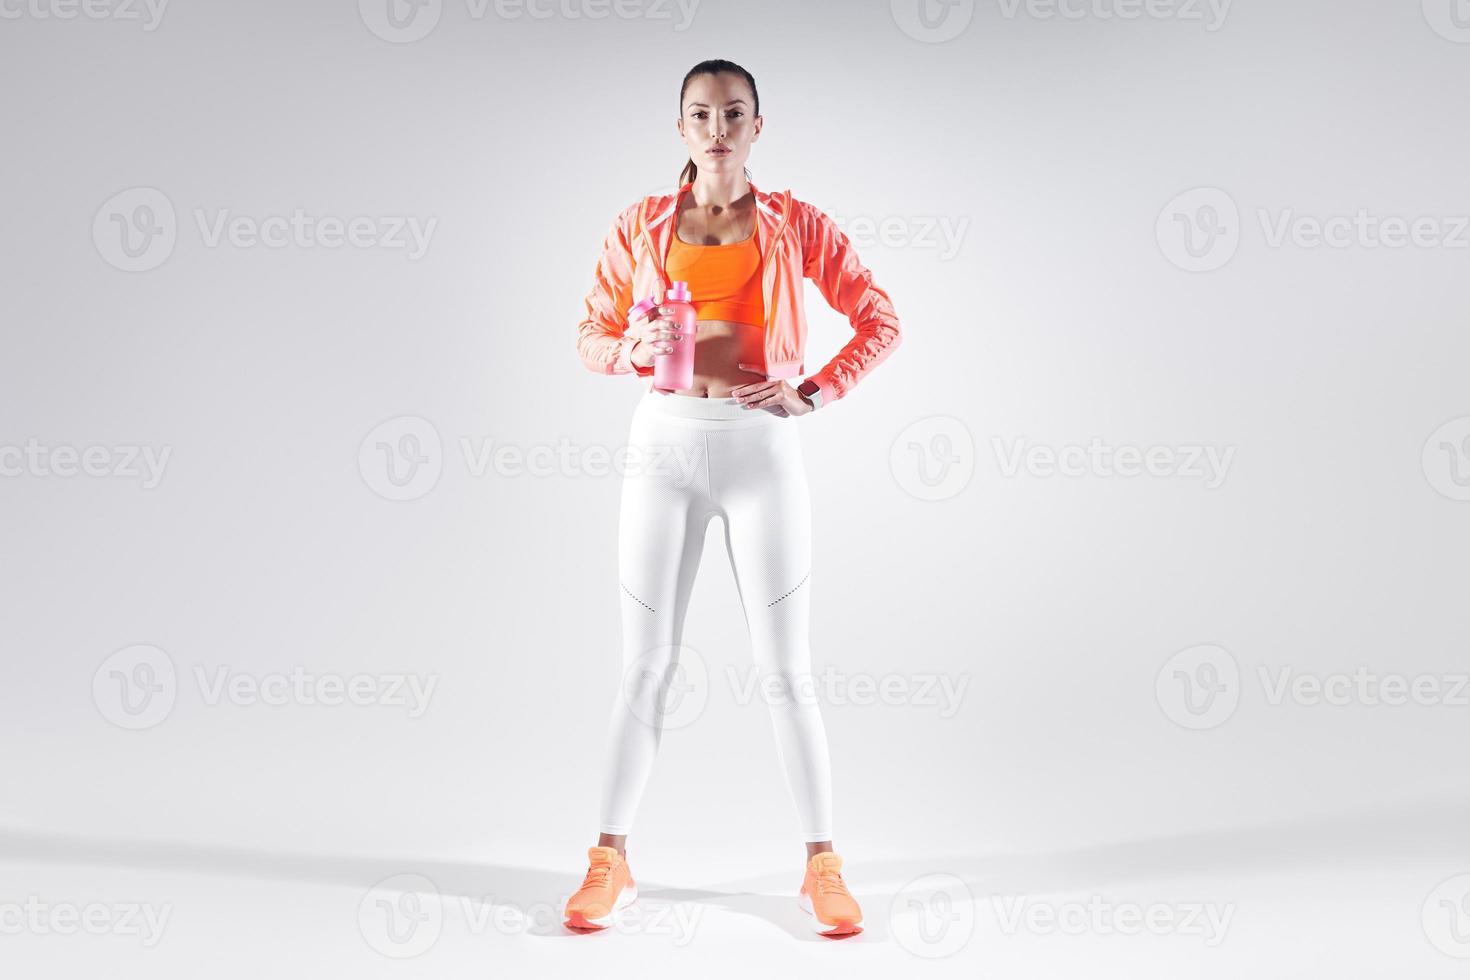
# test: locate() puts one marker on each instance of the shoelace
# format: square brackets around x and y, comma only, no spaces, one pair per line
[597,875]
[831,882]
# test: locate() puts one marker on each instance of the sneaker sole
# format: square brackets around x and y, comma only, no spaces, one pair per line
[626,897]
[840,929]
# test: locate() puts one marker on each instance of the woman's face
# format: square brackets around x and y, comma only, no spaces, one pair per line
[719,111]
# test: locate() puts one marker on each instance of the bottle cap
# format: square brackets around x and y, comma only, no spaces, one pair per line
[679,292]
[643,307]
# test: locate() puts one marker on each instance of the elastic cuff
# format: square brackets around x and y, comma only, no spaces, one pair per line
[814,838]
[624,362]
[826,387]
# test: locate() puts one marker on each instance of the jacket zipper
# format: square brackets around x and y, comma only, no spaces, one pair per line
[769,273]
[658,260]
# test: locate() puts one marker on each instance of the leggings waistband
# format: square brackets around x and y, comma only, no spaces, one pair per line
[698,407]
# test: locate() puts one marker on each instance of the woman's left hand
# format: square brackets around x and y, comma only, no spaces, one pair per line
[776,397]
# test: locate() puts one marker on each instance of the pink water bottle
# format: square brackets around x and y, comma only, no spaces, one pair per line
[675,371]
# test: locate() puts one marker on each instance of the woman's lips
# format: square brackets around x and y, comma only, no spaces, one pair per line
[718,153]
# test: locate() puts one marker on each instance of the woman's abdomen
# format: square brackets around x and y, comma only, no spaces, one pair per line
[721,347]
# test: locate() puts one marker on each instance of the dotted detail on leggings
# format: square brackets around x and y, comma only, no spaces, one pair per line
[636,599]
[793,589]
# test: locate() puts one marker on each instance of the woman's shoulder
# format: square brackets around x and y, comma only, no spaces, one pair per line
[645,206]
[625,221]
[809,219]
[804,210]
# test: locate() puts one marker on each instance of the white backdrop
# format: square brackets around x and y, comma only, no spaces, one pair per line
[1229,240]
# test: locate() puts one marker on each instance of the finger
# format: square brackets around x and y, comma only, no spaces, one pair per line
[759,390]
[763,398]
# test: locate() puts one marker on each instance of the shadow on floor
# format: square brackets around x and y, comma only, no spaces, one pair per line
[1431,833]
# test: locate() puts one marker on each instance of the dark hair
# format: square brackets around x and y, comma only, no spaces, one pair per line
[713,67]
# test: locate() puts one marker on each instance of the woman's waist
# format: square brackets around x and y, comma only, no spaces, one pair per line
[715,326]
[716,412]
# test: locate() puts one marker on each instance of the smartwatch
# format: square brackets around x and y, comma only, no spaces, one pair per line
[808,389]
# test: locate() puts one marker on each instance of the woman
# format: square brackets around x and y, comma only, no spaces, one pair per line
[744,253]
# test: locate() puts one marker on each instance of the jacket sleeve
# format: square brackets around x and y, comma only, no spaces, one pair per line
[830,261]
[601,341]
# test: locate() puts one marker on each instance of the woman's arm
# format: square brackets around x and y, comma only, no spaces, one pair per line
[602,343]
[847,285]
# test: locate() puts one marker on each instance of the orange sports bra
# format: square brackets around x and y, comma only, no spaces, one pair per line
[725,280]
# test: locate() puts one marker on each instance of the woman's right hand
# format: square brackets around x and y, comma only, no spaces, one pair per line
[655,336]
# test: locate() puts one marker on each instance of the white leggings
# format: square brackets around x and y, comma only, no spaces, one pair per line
[691,458]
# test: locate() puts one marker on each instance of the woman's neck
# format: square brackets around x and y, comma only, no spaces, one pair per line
[711,191]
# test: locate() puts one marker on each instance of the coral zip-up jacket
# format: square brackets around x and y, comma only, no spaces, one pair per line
[796,240]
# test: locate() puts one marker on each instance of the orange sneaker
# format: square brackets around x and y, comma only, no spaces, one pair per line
[609,886]
[824,894]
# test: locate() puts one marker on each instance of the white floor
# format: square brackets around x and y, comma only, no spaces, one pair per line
[1364,898]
